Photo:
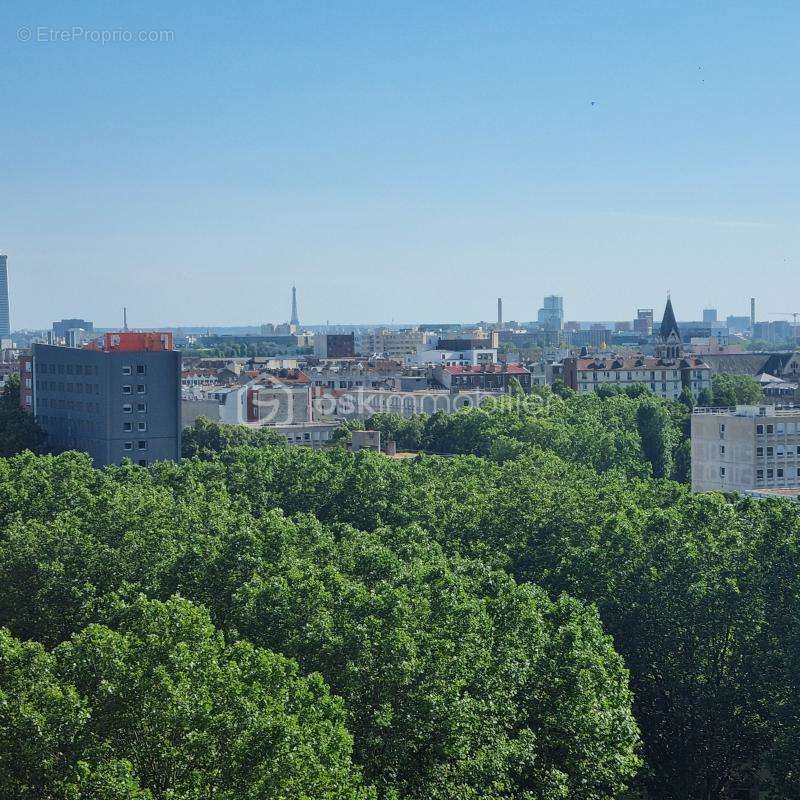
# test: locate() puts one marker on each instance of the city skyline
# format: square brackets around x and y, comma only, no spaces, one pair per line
[386,159]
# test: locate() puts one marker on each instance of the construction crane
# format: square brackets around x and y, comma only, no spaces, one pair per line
[793,314]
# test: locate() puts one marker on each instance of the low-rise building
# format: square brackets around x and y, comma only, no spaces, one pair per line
[745,448]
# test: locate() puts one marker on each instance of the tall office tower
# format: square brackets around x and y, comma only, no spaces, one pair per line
[295,320]
[752,312]
[5,316]
[709,315]
[643,324]
[499,312]
[551,314]
[121,399]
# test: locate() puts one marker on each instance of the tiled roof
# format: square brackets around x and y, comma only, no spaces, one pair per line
[639,362]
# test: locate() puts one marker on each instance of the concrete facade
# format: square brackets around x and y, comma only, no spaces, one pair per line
[746,448]
[112,405]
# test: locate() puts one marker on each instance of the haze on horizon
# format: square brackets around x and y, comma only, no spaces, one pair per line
[407,163]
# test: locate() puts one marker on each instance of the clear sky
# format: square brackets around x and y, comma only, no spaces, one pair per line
[399,161]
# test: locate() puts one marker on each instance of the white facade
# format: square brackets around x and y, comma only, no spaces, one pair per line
[452,358]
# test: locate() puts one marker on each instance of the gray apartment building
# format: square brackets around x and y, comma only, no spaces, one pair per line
[118,401]
[746,448]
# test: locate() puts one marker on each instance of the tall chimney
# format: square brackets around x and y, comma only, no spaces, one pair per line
[499,312]
[752,312]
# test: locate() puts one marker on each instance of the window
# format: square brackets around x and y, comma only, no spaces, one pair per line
[126,370]
[141,389]
[127,426]
[127,408]
[770,473]
[770,429]
[770,451]
[141,369]
[759,451]
[779,472]
[722,472]
[127,389]
[142,444]
[722,449]
[142,462]
[760,474]
[141,426]
[141,408]
[127,446]
[760,430]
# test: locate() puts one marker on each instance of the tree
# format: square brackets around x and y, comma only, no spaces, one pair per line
[654,429]
[18,430]
[207,439]
[161,705]
[731,390]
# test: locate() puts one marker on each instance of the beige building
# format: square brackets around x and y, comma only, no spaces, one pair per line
[746,448]
[394,344]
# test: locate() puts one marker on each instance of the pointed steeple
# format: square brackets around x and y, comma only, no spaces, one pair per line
[668,324]
[669,346]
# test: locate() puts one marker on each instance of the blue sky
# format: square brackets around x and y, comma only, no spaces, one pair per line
[407,161]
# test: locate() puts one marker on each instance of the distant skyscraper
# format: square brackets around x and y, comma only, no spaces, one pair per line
[551,314]
[295,320]
[5,316]
[643,324]
[709,315]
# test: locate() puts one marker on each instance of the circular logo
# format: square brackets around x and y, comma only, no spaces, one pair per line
[23,34]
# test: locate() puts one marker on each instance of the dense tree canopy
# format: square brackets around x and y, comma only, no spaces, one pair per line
[536,618]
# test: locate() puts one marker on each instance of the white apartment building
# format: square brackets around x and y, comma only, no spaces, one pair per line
[394,344]
[746,448]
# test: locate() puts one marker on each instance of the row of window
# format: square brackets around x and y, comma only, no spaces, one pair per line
[778,428]
[592,376]
[141,408]
[779,450]
[140,445]
[80,388]
[778,472]
[141,369]
[140,389]
[53,424]
[772,473]
[89,407]
[69,369]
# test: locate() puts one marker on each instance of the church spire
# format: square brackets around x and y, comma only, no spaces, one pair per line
[668,323]
[669,346]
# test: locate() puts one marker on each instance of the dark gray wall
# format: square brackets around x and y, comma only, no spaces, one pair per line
[80,401]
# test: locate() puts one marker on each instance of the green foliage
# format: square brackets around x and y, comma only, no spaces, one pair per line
[731,390]
[159,705]
[654,422]
[497,624]
[18,431]
[206,438]
[456,680]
